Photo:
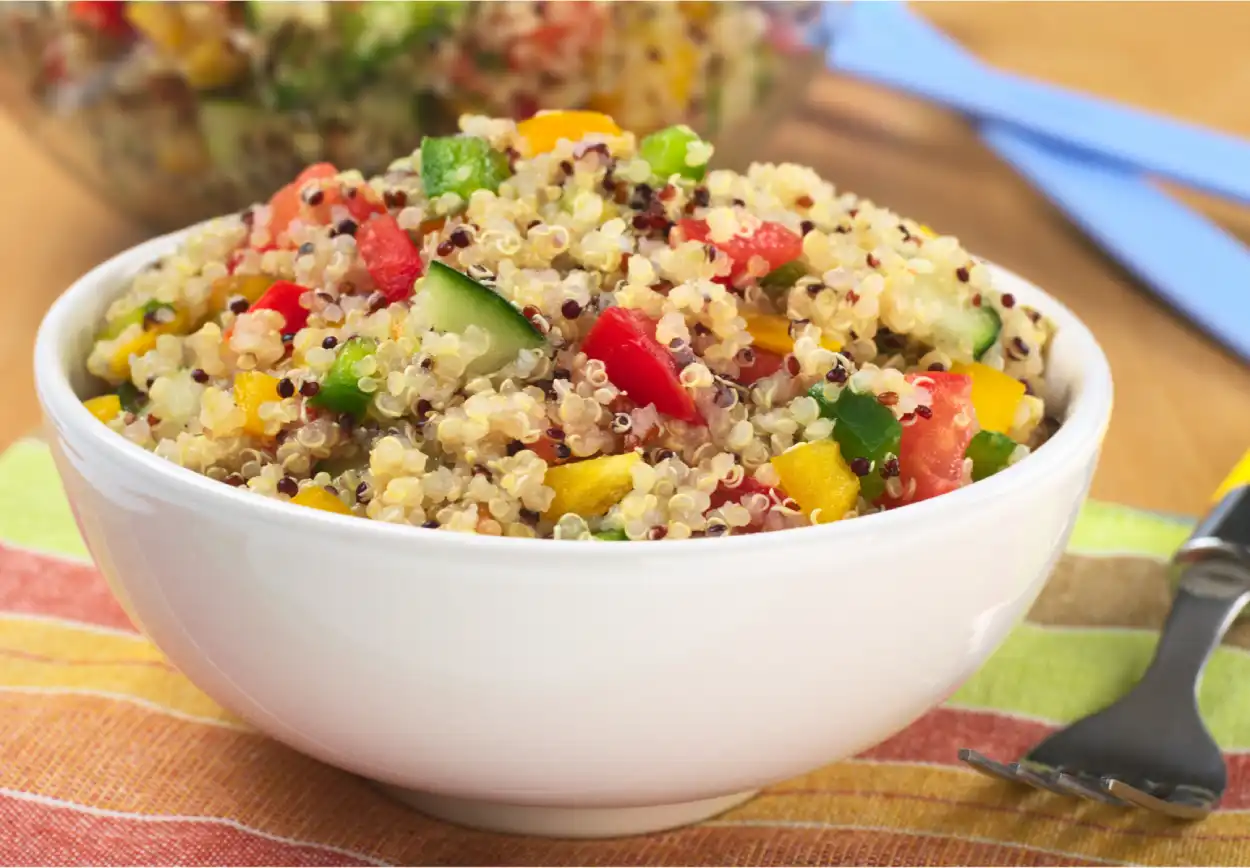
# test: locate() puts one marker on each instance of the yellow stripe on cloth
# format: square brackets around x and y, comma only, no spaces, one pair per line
[960,803]
[47,654]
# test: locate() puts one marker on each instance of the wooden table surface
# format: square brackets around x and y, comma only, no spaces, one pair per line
[1182,412]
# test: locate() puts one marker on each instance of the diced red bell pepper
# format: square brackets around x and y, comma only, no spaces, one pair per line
[545,448]
[624,340]
[749,485]
[233,261]
[774,243]
[765,365]
[389,255]
[570,24]
[284,297]
[932,449]
[287,204]
[106,16]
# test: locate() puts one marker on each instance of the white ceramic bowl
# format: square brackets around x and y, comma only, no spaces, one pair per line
[566,688]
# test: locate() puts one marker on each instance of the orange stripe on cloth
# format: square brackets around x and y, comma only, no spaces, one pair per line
[118,757]
[53,656]
[62,833]
[39,584]
[142,765]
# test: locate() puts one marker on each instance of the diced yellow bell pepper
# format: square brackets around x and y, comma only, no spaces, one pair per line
[927,232]
[590,488]
[699,11]
[162,23]
[1237,477]
[181,153]
[316,497]
[213,63]
[995,395]
[671,52]
[251,389]
[106,408]
[119,362]
[249,286]
[609,104]
[818,478]
[543,131]
[772,332]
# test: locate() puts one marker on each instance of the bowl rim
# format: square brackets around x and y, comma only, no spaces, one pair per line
[1080,435]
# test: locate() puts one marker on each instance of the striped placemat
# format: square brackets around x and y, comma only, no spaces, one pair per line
[109,756]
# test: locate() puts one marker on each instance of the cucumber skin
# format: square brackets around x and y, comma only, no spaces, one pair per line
[460,301]
[993,325]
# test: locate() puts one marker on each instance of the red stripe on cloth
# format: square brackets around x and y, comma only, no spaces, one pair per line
[937,737]
[37,584]
[63,834]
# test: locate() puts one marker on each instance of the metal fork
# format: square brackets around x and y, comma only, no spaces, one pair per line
[1150,749]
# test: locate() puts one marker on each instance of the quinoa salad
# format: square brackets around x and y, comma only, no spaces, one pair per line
[558,329]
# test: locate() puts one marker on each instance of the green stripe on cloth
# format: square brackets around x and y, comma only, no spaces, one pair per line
[33,510]
[1108,529]
[1063,673]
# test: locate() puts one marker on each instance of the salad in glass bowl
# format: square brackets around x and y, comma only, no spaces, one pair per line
[180,111]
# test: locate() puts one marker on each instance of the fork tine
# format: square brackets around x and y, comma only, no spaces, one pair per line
[988,767]
[1051,780]
[1039,779]
[1193,808]
[1080,786]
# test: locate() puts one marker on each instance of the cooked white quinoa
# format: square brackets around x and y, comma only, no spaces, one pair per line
[571,233]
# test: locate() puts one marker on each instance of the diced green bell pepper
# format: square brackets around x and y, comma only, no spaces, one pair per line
[989,451]
[783,276]
[340,390]
[863,428]
[375,30]
[340,465]
[615,535]
[133,401]
[665,150]
[460,165]
[376,35]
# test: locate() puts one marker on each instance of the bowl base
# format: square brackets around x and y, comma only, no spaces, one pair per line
[565,822]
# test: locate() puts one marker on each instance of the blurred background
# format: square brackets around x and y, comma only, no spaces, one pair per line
[122,120]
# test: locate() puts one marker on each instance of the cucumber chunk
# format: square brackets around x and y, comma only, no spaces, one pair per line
[979,326]
[456,301]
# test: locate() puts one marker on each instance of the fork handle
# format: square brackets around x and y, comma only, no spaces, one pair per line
[1210,596]
[1214,586]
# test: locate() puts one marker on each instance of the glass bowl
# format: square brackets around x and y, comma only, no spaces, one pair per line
[180,111]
